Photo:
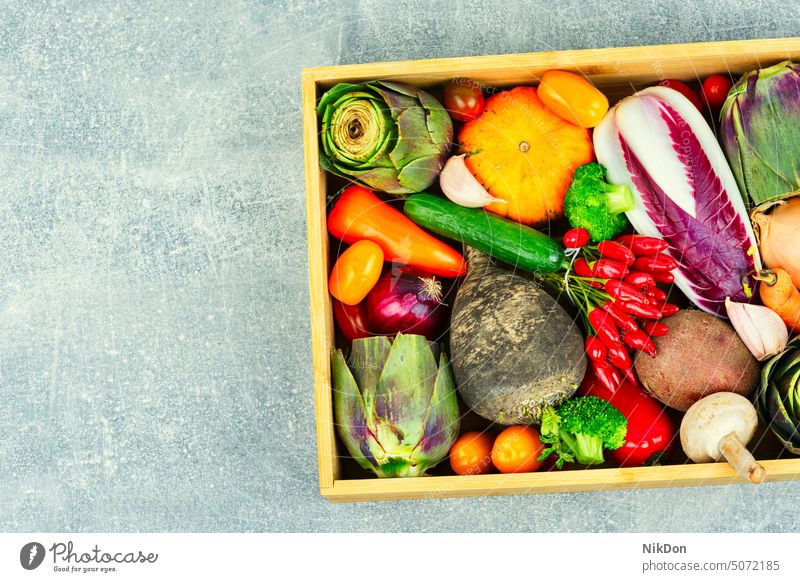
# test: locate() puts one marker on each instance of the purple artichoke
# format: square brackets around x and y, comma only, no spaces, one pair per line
[396,410]
[761,131]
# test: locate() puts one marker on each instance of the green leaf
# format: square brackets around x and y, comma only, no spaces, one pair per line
[334,93]
[367,358]
[351,414]
[440,426]
[403,392]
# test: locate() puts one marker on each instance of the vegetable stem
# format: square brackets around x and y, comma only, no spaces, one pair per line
[619,197]
[740,458]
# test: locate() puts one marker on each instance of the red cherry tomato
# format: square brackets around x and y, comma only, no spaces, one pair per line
[576,238]
[463,99]
[715,91]
[684,90]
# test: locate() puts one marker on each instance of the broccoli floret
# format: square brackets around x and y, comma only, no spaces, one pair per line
[580,429]
[594,204]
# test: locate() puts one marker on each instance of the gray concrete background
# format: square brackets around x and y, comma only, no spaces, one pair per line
[154,337]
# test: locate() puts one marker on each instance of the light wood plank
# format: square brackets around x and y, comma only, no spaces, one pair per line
[609,67]
[552,482]
[322,336]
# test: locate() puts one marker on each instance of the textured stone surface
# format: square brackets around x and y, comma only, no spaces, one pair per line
[154,337]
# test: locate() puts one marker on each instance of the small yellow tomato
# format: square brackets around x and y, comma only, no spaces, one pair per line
[517,450]
[471,454]
[572,98]
[356,271]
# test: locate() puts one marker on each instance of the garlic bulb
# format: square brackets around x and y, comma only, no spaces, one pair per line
[460,186]
[761,329]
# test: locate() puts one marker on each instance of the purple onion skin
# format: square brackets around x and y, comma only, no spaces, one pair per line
[406,301]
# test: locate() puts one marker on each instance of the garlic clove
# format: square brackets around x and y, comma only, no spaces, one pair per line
[460,186]
[761,329]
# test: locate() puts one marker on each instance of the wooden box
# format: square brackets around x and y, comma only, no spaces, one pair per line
[618,72]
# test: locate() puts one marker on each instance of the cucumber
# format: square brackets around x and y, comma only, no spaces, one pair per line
[505,240]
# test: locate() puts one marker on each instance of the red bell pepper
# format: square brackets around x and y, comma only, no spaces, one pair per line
[651,431]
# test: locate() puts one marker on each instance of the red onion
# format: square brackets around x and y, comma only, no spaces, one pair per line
[407,301]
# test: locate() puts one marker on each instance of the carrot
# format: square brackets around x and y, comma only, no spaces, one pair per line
[358,214]
[781,296]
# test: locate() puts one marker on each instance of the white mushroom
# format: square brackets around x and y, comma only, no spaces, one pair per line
[718,425]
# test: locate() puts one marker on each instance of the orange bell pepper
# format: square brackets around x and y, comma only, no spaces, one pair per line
[358,214]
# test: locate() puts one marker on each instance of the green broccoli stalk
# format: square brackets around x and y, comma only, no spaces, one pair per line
[580,429]
[594,204]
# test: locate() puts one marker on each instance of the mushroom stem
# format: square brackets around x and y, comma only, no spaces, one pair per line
[740,458]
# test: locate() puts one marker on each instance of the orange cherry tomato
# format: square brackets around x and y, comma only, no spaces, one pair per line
[471,454]
[572,98]
[356,271]
[517,450]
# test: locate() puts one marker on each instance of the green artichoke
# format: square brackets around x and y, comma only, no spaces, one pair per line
[761,131]
[396,411]
[388,136]
[779,396]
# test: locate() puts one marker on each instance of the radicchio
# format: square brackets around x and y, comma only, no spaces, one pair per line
[659,145]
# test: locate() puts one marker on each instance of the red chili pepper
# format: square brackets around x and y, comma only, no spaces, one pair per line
[655,328]
[667,309]
[618,357]
[640,280]
[660,263]
[639,340]
[655,294]
[351,319]
[650,428]
[639,310]
[614,250]
[595,350]
[609,269]
[604,327]
[581,268]
[608,376]
[643,245]
[576,238]
[623,291]
[622,320]
[666,277]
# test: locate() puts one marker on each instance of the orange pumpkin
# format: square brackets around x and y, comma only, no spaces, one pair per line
[523,153]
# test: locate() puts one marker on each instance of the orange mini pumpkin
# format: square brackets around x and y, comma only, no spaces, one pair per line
[523,153]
